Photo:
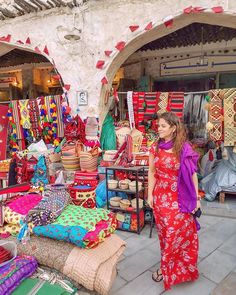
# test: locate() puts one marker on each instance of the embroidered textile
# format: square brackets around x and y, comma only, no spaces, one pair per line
[60,126]
[34,118]
[16,119]
[229,99]
[176,103]
[215,115]
[162,102]
[24,112]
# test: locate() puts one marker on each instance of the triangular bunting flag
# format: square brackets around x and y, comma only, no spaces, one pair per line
[198,9]
[28,41]
[36,49]
[133,28]
[168,21]
[20,42]
[67,87]
[46,50]
[108,52]
[104,80]
[188,10]
[6,38]
[218,9]
[56,77]
[100,64]
[120,45]
[148,27]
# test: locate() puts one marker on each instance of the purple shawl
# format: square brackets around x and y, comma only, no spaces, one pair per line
[187,197]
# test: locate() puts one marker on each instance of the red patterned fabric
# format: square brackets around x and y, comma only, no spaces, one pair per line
[3,131]
[176,103]
[177,231]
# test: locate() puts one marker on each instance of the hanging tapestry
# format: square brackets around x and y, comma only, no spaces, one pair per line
[162,102]
[34,118]
[229,99]
[3,131]
[16,119]
[150,103]
[60,126]
[176,103]
[24,112]
[215,115]
[140,111]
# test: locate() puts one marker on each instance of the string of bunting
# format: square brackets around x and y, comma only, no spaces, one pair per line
[168,22]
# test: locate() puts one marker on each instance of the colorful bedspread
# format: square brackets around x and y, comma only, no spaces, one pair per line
[81,226]
[14,272]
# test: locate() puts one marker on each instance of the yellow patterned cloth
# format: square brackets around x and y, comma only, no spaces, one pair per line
[24,112]
[215,115]
[229,96]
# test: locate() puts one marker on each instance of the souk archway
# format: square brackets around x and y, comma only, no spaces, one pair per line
[164,28]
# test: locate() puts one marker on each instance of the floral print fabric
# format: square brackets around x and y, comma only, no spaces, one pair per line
[177,231]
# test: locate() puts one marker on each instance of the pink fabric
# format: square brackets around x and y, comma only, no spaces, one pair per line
[24,204]
[93,235]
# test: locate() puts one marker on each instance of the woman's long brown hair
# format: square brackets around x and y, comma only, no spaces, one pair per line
[179,135]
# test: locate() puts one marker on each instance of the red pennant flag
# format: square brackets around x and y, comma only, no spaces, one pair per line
[100,64]
[56,77]
[20,42]
[104,80]
[67,87]
[218,9]
[198,9]
[169,23]
[36,49]
[108,52]
[28,41]
[120,45]
[6,39]
[133,28]
[148,27]
[188,10]
[46,50]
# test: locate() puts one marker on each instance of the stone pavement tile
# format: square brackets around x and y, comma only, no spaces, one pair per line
[225,229]
[136,243]
[208,242]
[229,246]
[142,285]
[118,284]
[206,220]
[217,266]
[155,248]
[202,286]
[124,235]
[227,286]
[134,265]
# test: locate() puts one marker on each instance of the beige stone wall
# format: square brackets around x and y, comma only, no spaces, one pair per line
[103,23]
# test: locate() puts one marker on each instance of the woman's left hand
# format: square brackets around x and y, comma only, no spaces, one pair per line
[198,206]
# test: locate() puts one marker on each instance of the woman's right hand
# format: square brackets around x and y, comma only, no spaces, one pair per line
[150,201]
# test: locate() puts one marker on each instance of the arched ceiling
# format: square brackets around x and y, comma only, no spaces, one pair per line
[193,34]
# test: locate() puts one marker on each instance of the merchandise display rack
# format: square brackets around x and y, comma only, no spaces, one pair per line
[139,173]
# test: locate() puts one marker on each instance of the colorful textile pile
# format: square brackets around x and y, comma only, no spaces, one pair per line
[5,255]
[229,100]
[83,227]
[3,131]
[40,173]
[14,272]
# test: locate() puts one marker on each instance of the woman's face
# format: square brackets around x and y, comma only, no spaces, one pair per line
[165,131]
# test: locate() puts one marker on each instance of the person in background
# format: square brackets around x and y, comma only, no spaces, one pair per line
[173,195]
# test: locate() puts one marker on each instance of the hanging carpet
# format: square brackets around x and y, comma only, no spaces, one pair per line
[229,99]
[176,103]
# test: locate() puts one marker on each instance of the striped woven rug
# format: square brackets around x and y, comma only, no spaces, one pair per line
[176,103]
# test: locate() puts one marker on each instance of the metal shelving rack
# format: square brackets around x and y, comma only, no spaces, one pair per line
[138,172]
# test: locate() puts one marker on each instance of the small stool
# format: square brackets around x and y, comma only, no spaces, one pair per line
[222,195]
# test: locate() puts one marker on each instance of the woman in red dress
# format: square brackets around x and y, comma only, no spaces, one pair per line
[173,195]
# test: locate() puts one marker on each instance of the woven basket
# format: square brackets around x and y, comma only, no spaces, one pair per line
[70,162]
[88,162]
[85,197]
[121,135]
[55,157]
[137,138]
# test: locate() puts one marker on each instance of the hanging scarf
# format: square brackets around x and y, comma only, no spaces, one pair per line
[187,197]
[34,118]
[60,126]
[24,112]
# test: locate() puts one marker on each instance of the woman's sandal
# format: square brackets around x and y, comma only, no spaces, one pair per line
[157,276]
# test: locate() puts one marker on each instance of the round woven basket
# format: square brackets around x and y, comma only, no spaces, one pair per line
[88,162]
[70,162]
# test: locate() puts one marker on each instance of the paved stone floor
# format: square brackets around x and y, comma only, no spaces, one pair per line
[217,260]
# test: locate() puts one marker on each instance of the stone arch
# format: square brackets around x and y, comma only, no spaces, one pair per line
[160,30]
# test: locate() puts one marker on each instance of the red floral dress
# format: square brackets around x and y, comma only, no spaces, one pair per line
[177,231]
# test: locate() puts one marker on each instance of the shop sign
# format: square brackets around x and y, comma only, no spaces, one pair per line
[6,81]
[199,64]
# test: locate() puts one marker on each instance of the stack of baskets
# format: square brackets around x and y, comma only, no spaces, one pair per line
[89,160]
[70,155]
[83,195]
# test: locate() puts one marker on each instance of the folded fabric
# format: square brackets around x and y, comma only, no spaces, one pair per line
[75,223]
[14,272]
[25,203]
